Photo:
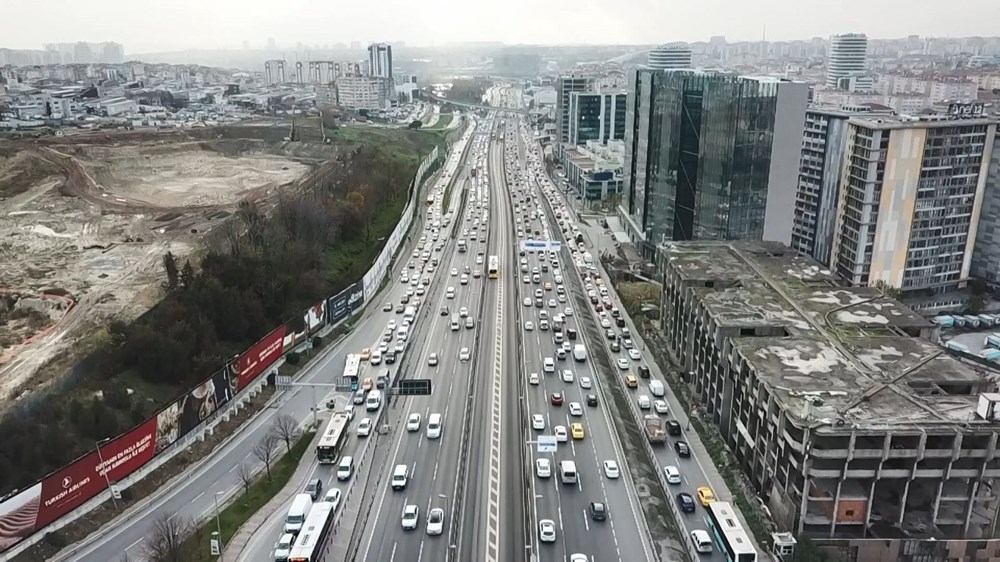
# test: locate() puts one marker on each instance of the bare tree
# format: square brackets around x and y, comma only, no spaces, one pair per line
[165,541]
[286,428]
[264,450]
[246,476]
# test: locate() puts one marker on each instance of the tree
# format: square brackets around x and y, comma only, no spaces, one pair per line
[286,428]
[170,265]
[415,124]
[887,290]
[264,450]
[246,476]
[187,275]
[975,304]
[165,541]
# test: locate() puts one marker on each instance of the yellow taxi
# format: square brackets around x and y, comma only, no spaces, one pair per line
[705,495]
[577,430]
[631,381]
[367,384]
[366,354]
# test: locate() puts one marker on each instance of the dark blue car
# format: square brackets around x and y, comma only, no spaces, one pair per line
[686,501]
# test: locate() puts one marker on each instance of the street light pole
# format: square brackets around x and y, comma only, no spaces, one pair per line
[104,470]
[218,524]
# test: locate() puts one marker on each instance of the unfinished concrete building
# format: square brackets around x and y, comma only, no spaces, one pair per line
[846,416]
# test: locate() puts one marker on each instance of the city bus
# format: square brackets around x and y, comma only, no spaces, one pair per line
[729,535]
[352,367]
[328,448]
[308,546]
[494,267]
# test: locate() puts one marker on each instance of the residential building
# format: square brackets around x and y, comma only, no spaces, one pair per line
[845,417]
[565,86]
[596,117]
[711,156]
[910,198]
[824,144]
[669,58]
[986,251]
[846,57]
[380,60]
[364,92]
[937,90]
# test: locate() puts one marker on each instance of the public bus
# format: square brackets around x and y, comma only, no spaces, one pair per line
[328,448]
[352,367]
[494,264]
[729,535]
[309,545]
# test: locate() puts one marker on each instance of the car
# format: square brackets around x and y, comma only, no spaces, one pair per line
[585,382]
[314,488]
[578,557]
[672,475]
[528,326]
[660,406]
[682,449]
[611,469]
[556,398]
[527,301]
[561,354]
[333,496]
[548,365]
[463,312]
[533,378]
[705,495]
[627,342]
[464,279]
[450,293]
[525,279]
[411,516]
[543,468]
[622,364]
[686,502]
[631,381]
[598,511]
[547,530]
[366,354]
[445,311]
[432,359]
[538,422]
[454,272]
[283,548]
[400,308]
[552,303]
[644,371]
[614,346]
[673,427]
[413,422]
[464,354]
[577,430]
[435,521]
[387,307]
[634,354]
[560,433]
[364,427]
[568,311]
[575,409]
[592,400]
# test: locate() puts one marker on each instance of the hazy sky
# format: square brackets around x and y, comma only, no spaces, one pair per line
[144,26]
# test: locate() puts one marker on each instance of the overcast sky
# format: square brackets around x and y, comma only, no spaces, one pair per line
[144,26]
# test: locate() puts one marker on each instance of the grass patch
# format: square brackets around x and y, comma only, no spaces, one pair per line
[444,119]
[237,513]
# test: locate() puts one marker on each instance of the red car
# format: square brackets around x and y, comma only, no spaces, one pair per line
[556,398]
[598,308]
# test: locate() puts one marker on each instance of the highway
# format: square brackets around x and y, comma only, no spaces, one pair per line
[195,494]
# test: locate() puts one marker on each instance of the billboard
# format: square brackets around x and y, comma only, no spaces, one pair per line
[202,402]
[258,358]
[299,328]
[356,296]
[337,305]
[18,516]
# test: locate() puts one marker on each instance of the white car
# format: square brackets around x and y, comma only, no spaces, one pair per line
[527,301]
[391,326]
[552,303]
[622,363]
[454,272]
[611,469]
[411,515]
[528,326]
[463,354]
[333,496]
[567,375]
[560,433]
[464,279]
[538,422]
[568,311]
[364,427]
[578,557]
[634,354]
[413,422]
[673,475]
[543,468]
[585,382]
[575,409]
[605,322]
[463,312]
[547,530]
[548,365]
[435,521]
[543,324]
[432,359]
[533,378]
[660,406]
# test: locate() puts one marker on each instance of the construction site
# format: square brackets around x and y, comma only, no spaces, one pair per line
[87,219]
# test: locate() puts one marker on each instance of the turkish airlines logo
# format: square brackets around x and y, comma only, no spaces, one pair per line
[67,481]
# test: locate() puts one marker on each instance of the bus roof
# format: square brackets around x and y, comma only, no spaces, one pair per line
[312,529]
[725,515]
[334,430]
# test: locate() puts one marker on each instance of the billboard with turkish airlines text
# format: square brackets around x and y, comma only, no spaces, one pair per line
[258,358]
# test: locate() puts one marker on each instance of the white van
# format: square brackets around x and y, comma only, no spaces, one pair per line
[297,513]
[656,388]
[399,477]
[567,472]
[346,468]
[701,540]
[548,365]
[410,313]
[402,332]
[455,324]
[579,352]
[434,424]
[374,400]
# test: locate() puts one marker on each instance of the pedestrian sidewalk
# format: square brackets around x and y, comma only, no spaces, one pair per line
[296,483]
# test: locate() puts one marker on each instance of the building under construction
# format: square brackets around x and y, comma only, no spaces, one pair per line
[846,415]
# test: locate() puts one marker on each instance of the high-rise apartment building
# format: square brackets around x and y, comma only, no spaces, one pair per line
[910,199]
[845,57]
[669,58]
[380,60]
[711,156]
[565,86]
[364,92]
[824,144]
[986,252]
[596,117]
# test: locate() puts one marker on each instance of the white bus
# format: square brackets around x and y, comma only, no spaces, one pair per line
[729,535]
[494,267]
[328,449]
[308,546]
[352,368]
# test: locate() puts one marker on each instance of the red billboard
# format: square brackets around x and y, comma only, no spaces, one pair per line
[70,487]
[259,357]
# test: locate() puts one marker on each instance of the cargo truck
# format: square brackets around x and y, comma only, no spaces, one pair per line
[655,430]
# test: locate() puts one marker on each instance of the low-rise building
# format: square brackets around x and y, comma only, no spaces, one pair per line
[594,170]
[364,92]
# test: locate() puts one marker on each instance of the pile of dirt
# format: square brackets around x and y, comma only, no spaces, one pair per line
[19,170]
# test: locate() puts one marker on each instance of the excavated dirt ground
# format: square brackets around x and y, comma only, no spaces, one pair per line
[85,222]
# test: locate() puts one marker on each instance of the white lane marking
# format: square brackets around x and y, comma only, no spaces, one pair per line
[393,557]
[493,493]
[129,547]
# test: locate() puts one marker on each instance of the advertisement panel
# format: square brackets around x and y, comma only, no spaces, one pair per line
[299,328]
[18,516]
[201,403]
[258,358]
[70,487]
[315,317]
[337,305]
[356,298]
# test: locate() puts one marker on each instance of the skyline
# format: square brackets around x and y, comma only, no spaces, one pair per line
[229,23]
